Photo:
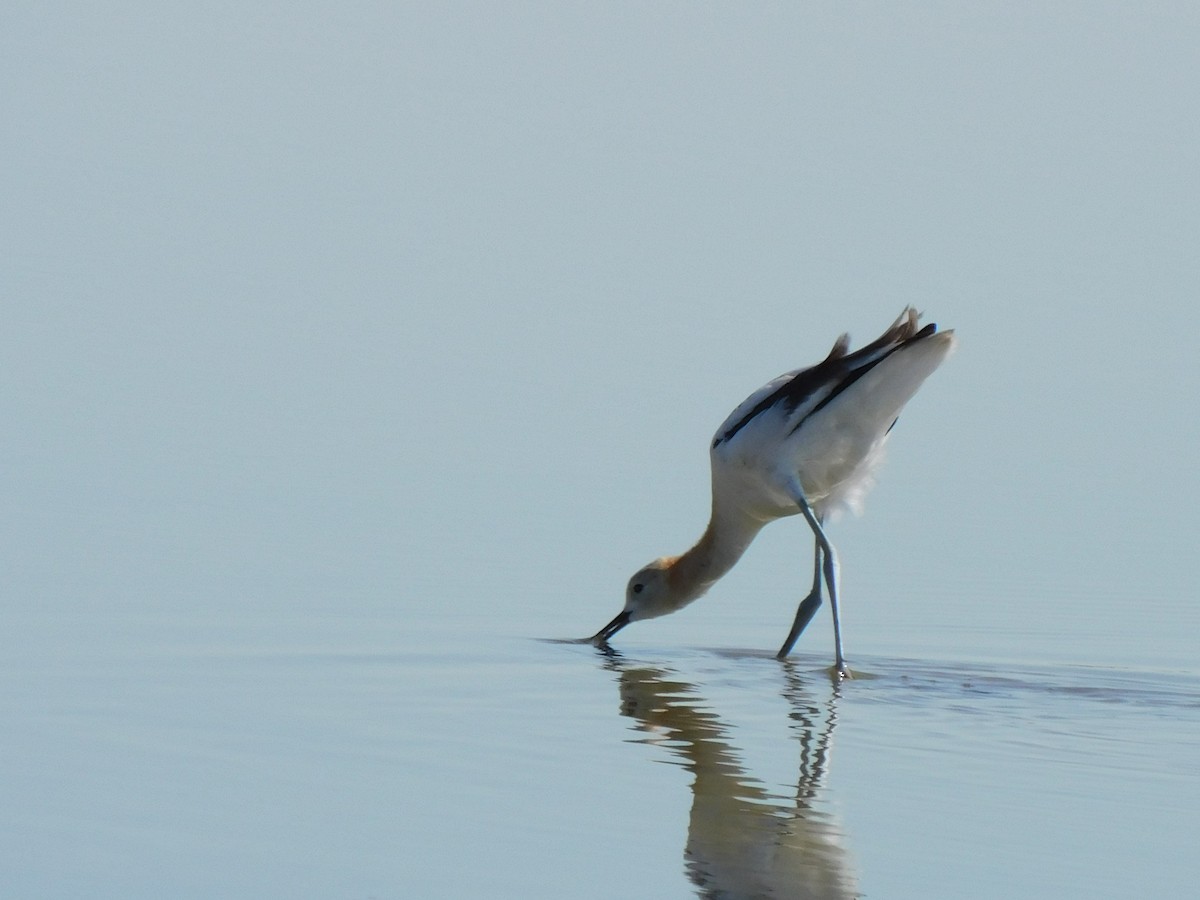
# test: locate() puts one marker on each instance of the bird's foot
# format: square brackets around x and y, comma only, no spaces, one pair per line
[840,671]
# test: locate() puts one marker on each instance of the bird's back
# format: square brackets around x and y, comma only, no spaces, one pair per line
[827,422]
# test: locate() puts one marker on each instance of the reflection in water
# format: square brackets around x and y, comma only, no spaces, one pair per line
[743,841]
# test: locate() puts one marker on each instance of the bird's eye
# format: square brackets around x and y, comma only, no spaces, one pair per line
[637,588]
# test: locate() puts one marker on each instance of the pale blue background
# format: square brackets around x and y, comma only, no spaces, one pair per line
[398,331]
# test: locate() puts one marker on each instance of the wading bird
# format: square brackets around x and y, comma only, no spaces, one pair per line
[806,443]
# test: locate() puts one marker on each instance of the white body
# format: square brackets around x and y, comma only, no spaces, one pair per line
[834,453]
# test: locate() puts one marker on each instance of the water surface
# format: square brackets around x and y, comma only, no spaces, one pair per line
[341,755]
[351,351]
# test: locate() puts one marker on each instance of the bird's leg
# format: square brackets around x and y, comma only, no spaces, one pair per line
[830,569]
[808,606]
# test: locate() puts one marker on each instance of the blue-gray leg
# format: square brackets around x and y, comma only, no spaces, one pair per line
[830,570]
[808,606]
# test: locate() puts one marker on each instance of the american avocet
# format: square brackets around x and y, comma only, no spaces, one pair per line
[806,443]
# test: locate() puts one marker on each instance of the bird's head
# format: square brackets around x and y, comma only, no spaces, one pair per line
[650,593]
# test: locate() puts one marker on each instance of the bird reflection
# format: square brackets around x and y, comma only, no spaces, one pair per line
[744,841]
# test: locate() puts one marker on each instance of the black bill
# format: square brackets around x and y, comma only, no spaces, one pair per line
[611,628]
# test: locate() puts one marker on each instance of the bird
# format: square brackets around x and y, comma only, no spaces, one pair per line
[807,443]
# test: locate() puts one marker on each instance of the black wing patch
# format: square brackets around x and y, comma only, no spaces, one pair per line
[836,372]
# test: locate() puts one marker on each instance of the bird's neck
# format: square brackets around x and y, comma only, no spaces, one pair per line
[719,548]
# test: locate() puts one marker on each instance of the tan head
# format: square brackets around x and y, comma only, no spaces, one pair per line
[650,593]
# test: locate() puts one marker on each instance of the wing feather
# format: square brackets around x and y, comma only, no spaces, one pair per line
[802,392]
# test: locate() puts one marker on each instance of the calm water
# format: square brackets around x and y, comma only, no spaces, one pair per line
[352,353]
[334,754]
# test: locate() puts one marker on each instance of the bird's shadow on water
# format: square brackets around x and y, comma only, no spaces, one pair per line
[743,840]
